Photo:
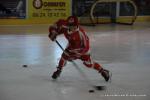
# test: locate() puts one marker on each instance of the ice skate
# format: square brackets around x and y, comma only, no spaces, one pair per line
[106,74]
[56,74]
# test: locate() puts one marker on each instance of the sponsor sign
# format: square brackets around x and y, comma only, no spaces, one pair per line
[45,9]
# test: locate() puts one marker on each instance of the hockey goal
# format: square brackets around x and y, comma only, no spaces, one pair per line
[110,11]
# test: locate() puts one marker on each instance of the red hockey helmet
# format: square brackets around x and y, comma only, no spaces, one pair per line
[72,21]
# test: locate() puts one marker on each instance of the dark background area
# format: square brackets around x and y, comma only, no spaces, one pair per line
[82,7]
[13,9]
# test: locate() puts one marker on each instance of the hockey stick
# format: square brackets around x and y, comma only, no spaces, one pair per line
[80,71]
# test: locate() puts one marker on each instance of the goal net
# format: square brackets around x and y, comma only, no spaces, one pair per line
[108,11]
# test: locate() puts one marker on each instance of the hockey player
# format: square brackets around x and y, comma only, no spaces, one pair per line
[78,46]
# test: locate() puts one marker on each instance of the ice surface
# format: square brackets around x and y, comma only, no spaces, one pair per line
[124,50]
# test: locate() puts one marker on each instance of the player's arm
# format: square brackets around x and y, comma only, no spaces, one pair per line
[61,26]
[52,33]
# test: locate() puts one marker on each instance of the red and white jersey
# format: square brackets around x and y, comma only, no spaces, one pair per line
[78,41]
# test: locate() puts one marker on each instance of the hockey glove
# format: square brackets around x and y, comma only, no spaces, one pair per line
[52,33]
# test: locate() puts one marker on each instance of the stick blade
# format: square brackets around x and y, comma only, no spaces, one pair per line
[98,87]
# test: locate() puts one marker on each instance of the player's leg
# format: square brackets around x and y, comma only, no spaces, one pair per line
[91,64]
[64,58]
[62,63]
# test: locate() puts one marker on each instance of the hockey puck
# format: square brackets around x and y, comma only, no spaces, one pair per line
[25,66]
[91,91]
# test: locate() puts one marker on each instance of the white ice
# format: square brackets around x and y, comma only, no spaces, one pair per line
[124,50]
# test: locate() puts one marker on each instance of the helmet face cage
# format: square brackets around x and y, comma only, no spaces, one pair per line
[72,28]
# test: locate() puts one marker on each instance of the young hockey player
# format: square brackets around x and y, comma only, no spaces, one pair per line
[78,46]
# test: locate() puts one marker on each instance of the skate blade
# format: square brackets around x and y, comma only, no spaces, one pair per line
[110,79]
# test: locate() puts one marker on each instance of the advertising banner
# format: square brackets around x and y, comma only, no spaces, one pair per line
[49,9]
